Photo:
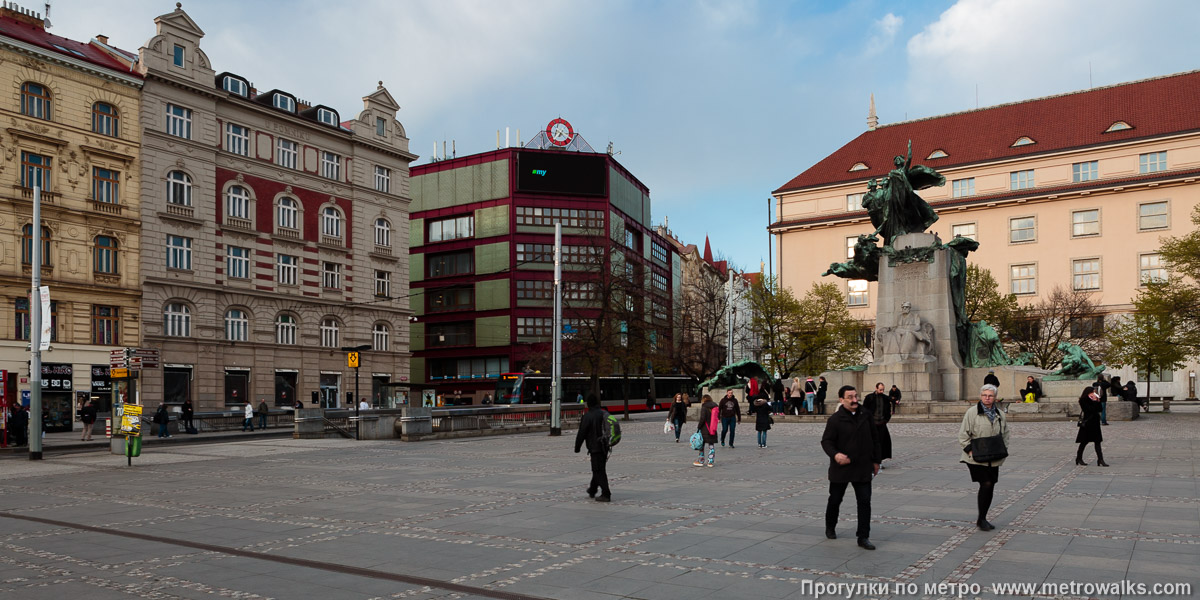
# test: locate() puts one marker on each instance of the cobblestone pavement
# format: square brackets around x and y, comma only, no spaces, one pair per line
[506,517]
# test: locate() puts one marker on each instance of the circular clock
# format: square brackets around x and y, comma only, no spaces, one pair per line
[560,132]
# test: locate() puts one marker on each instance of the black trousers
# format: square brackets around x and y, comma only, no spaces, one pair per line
[599,474]
[862,494]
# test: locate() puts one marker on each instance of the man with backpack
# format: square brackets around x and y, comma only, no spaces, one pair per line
[596,431]
[731,415]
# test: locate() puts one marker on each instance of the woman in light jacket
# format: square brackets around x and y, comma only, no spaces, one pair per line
[981,421]
[795,395]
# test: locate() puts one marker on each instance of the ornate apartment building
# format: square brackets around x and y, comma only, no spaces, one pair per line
[70,126]
[1074,190]
[274,233]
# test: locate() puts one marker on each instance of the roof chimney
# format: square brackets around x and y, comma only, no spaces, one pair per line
[872,118]
[103,39]
[14,11]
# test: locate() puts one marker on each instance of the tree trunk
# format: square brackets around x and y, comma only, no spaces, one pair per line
[625,389]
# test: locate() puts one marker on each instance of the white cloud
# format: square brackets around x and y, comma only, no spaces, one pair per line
[883,33]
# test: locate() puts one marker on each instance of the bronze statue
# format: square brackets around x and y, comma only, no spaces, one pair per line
[1075,364]
[895,208]
[864,264]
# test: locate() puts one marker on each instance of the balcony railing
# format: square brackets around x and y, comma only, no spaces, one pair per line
[239,223]
[330,240]
[111,208]
[180,210]
[27,193]
[288,233]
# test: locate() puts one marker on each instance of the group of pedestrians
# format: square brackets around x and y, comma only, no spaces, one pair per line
[804,398]
[17,422]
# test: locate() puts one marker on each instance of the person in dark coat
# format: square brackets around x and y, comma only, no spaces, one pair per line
[731,415]
[19,426]
[677,414]
[778,391]
[707,426]
[187,413]
[1129,394]
[87,415]
[761,409]
[1116,389]
[1089,426]
[991,379]
[878,406]
[591,432]
[853,450]
[1033,387]
[894,395]
[1101,389]
[822,389]
[162,419]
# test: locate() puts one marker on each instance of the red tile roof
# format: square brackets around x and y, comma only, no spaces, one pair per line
[1153,107]
[37,36]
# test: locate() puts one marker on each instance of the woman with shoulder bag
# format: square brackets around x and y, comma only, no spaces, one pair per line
[762,419]
[983,437]
[1089,426]
[678,415]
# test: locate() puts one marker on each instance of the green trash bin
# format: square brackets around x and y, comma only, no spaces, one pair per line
[133,446]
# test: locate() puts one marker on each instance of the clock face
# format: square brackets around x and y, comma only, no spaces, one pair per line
[560,132]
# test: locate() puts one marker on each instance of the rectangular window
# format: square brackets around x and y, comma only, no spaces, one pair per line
[442,335]
[35,171]
[857,292]
[1021,180]
[853,202]
[569,217]
[1022,229]
[383,284]
[237,139]
[850,242]
[1152,215]
[534,326]
[454,228]
[331,166]
[380,126]
[106,324]
[237,262]
[1159,375]
[179,121]
[23,320]
[1086,274]
[535,253]
[1152,269]
[660,281]
[633,240]
[535,290]
[286,152]
[331,275]
[285,268]
[584,291]
[383,179]
[961,188]
[467,368]
[1087,327]
[451,263]
[1023,279]
[966,230]
[1085,171]
[106,186]
[450,299]
[179,252]
[1085,223]
[1152,162]
[658,252]
[177,55]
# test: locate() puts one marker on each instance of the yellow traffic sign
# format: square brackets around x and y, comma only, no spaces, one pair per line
[118,373]
[352,360]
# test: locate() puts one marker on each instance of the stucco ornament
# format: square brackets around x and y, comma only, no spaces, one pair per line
[1075,364]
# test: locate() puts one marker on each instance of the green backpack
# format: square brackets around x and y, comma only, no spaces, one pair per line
[610,435]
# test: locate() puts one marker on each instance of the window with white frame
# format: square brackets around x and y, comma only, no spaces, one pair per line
[381,337]
[237,139]
[237,203]
[857,292]
[383,233]
[177,320]
[237,262]
[659,281]
[285,102]
[1085,223]
[179,252]
[179,121]
[286,153]
[329,332]
[1085,274]
[961,188]
[1152,269]
[383,179]
[331,275]
[850,242]
[234,85]
[1022,229]
[1152,162]
[285,330]
[452,228]
[237,325]
[966,230]
[1023,279]
[331,166]
[327,116]
[853,202]
[179,188]
[331,222]
[659,253]
[1021,180]
[286,267]
[1153,215]
[1085,171]
[383,284]
[285,213]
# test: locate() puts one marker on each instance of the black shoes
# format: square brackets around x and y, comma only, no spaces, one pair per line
[830,533]
[1079,461]
[1101,463]
[603,498]
[865,543]
[591,493]
[984,525]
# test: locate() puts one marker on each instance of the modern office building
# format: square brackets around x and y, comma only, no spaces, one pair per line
[1074,190]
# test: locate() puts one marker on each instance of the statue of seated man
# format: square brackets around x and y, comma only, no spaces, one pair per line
[910,338]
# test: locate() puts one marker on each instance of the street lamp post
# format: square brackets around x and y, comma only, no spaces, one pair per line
[352,360]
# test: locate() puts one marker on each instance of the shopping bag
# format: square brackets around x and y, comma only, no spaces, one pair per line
[668,427]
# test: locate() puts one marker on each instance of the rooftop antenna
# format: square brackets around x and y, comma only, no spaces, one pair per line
[46,21]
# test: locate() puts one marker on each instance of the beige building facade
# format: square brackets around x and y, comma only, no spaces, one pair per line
[1073,191]
[70,126]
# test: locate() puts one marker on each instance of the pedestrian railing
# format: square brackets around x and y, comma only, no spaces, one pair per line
[501,417]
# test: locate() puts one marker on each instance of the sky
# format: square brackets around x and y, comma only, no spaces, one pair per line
[713,104]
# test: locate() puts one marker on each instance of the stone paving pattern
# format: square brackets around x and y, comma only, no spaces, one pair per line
[509,514]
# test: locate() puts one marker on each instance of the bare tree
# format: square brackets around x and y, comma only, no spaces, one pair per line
[1036,329]
[704,341]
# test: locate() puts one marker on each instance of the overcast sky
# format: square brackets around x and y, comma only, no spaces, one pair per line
[711,103]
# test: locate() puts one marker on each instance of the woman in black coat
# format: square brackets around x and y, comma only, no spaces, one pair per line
[677,415]
[762,419]
[1089,426]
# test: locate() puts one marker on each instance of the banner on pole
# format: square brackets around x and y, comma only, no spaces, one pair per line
[47,318]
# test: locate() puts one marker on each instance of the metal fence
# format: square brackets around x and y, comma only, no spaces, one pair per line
[500,418]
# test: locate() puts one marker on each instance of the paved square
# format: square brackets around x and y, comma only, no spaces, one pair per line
[506,517]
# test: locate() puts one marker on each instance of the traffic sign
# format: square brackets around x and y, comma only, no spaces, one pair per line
[118,373]
[352,360]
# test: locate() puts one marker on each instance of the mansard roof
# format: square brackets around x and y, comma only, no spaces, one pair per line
[37,35]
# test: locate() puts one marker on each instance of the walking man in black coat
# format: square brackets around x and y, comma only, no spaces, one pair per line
[853,451]
[591,432]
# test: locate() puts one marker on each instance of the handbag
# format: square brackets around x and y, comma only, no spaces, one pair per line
[988,449]
[697,441]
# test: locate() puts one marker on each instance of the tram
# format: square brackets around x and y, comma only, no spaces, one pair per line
[534,388]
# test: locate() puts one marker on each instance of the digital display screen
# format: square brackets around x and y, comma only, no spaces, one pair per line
[562,173]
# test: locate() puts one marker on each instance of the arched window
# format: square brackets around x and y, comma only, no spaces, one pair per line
[329,332]
[105,120]
[104,255]
[35,100]
[27,245]
[383,233]
[177,320]
[331,222]
[286,214]
[237,204]
[237,325]
[179,188]
[380,337]
[285,330]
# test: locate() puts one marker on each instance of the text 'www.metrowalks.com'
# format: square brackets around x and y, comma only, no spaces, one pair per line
[834,589]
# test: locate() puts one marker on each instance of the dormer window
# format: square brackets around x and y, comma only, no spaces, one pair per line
[234,85]
[285,102]
[327,116]
[1118,126]
[1023,141]
[859,166]
[177,55]
[939,153]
